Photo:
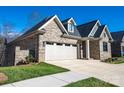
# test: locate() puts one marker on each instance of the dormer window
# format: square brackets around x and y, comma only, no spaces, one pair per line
[71,27]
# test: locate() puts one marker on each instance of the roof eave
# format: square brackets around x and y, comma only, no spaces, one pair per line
[28,35]
[79,38]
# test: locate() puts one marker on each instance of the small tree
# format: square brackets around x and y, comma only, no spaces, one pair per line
[33,18]
[8,30]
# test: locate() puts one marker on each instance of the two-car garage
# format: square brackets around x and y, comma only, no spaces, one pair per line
[60,51]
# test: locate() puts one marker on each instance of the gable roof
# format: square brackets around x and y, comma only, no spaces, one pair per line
[76,32]
[117,36]
[41,25]
[35,27]
[99,31]
[85,29]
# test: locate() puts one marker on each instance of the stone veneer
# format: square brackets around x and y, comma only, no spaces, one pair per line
[53,33]
[94,49]
[18,50]
[104,54]
[20,54]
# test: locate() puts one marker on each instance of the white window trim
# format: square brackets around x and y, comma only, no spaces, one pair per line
[70,27]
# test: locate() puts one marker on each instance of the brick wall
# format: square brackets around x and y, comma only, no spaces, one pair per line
[53,33]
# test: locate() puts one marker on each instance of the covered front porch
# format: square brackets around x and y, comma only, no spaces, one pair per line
[88,49]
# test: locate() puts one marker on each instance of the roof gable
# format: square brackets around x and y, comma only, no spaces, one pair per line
[57,21]
[40,26]
[107,32]
[85,29]
[99,31]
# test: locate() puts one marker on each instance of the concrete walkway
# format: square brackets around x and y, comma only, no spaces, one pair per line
[55,80]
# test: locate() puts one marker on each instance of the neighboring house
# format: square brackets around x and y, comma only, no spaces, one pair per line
[2,50]
[118,44]
[52,39]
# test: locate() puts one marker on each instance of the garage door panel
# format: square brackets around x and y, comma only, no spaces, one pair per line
[60,52]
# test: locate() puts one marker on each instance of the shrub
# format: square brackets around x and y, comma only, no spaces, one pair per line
[114,59]
[30,59]
[22,62]
[108,60]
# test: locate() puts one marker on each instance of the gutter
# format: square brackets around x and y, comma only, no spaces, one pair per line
[28,35]
[80,38]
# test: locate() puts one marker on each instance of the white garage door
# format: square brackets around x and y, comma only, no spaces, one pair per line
[57,51]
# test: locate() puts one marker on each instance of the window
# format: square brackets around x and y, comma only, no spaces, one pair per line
[67,44]
[105,46]
[60,44]
[71,27]
[49,43]
[74,45]
[32,53]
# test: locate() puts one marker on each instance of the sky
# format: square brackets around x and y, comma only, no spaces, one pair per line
[19,15]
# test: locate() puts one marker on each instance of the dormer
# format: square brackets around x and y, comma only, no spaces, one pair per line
[69,24]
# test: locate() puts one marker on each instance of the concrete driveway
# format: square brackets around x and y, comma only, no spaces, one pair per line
[113,73]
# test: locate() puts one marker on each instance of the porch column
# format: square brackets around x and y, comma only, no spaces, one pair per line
[87,49]
[122,51]
[78,51]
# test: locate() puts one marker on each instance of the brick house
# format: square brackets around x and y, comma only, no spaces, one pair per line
[118,44]
[52,39]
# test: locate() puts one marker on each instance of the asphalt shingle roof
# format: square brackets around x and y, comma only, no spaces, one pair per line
[85,29]
[117,36]
[99,31]
[35,27]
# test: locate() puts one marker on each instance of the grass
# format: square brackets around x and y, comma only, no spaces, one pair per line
[18,73]
[115,60]
[90,82]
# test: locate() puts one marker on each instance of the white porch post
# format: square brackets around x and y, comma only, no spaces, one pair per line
[87,49]
[78,51]
[121,50]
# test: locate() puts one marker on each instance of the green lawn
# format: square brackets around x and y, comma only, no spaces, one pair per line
[115,60]
[17,73]
[90,82]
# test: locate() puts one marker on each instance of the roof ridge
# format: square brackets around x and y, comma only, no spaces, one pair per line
[88,23]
